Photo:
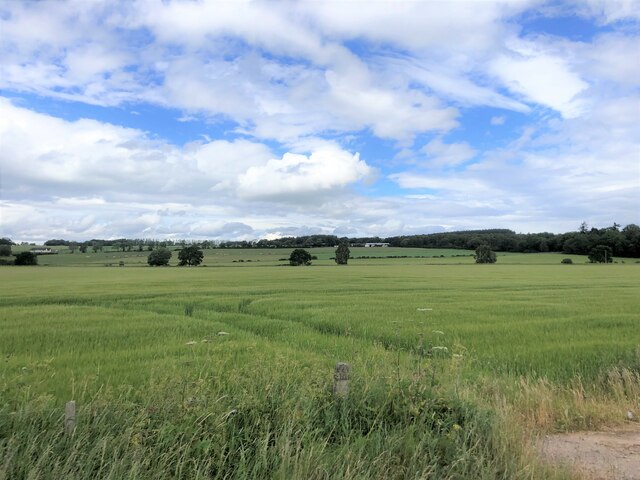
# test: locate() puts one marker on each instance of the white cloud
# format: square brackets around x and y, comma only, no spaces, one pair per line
[296,176]
[223,161]
[543,79]
[610,11]
[615,58]
[298,72]
[440,154]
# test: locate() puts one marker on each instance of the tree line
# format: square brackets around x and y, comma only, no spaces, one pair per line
[623,242]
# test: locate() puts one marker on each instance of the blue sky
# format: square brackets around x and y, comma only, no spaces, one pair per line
[247,120]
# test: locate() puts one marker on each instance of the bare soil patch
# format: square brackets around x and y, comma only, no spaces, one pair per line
[612,454]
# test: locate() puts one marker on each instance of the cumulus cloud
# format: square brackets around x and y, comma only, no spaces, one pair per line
[296,176]
[299,87]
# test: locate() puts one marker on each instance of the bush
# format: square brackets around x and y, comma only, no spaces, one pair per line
[601,254]
[159,257]
[26,258]
[567,261]
[5,250]
[299,257]
[342,254]
[484,254]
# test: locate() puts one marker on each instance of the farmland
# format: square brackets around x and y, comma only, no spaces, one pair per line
[226,371]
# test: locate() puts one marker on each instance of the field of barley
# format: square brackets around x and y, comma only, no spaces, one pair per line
[226,371]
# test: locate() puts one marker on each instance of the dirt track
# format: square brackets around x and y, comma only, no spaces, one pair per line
[605,455]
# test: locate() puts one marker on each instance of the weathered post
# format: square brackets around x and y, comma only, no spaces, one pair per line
[70,417]
[341,380]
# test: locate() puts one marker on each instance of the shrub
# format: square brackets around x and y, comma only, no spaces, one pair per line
[567,260]
[159,257]
[299,257]
[484,254]
[342,254]
[601,254]
[5,250]
[26,258]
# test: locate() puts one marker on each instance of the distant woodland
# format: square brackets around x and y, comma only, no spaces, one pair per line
[623,241]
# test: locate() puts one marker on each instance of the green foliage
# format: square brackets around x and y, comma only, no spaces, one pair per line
[6,241]
[299,257]
[159,257]
[342,254]
[26,258]
[601,254]
[567,261]
[5,250]
[484,254]
[190,256]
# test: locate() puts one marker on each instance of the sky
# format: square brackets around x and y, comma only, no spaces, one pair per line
[251,119]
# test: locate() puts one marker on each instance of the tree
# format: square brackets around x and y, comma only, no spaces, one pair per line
[484,254]
[584,228]
[6,241]
[26,258]
[191,256]
[342,254]
[5,250]
[299,257]
[601,254]
[159,257]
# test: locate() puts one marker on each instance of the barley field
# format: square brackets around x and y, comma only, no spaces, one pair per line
[226,371]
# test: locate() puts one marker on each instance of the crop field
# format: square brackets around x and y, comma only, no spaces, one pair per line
[227,372]
[257,256]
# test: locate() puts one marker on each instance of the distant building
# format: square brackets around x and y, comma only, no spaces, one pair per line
[376,244]
[43,251]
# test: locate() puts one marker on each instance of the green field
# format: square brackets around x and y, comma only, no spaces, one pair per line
[261,257]
[227,372]
[272,256]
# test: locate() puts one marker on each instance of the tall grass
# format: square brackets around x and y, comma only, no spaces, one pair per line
[450,365]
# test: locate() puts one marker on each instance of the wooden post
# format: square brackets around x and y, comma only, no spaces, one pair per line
[341,380]
[70,417]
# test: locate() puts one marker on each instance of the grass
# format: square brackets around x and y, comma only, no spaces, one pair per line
[227,372]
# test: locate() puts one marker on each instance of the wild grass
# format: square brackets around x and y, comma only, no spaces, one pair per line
[454,367]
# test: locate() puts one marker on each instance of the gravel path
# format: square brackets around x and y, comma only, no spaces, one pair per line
[604,455]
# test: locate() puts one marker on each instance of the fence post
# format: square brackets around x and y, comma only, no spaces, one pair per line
[341,380]
[70,417]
